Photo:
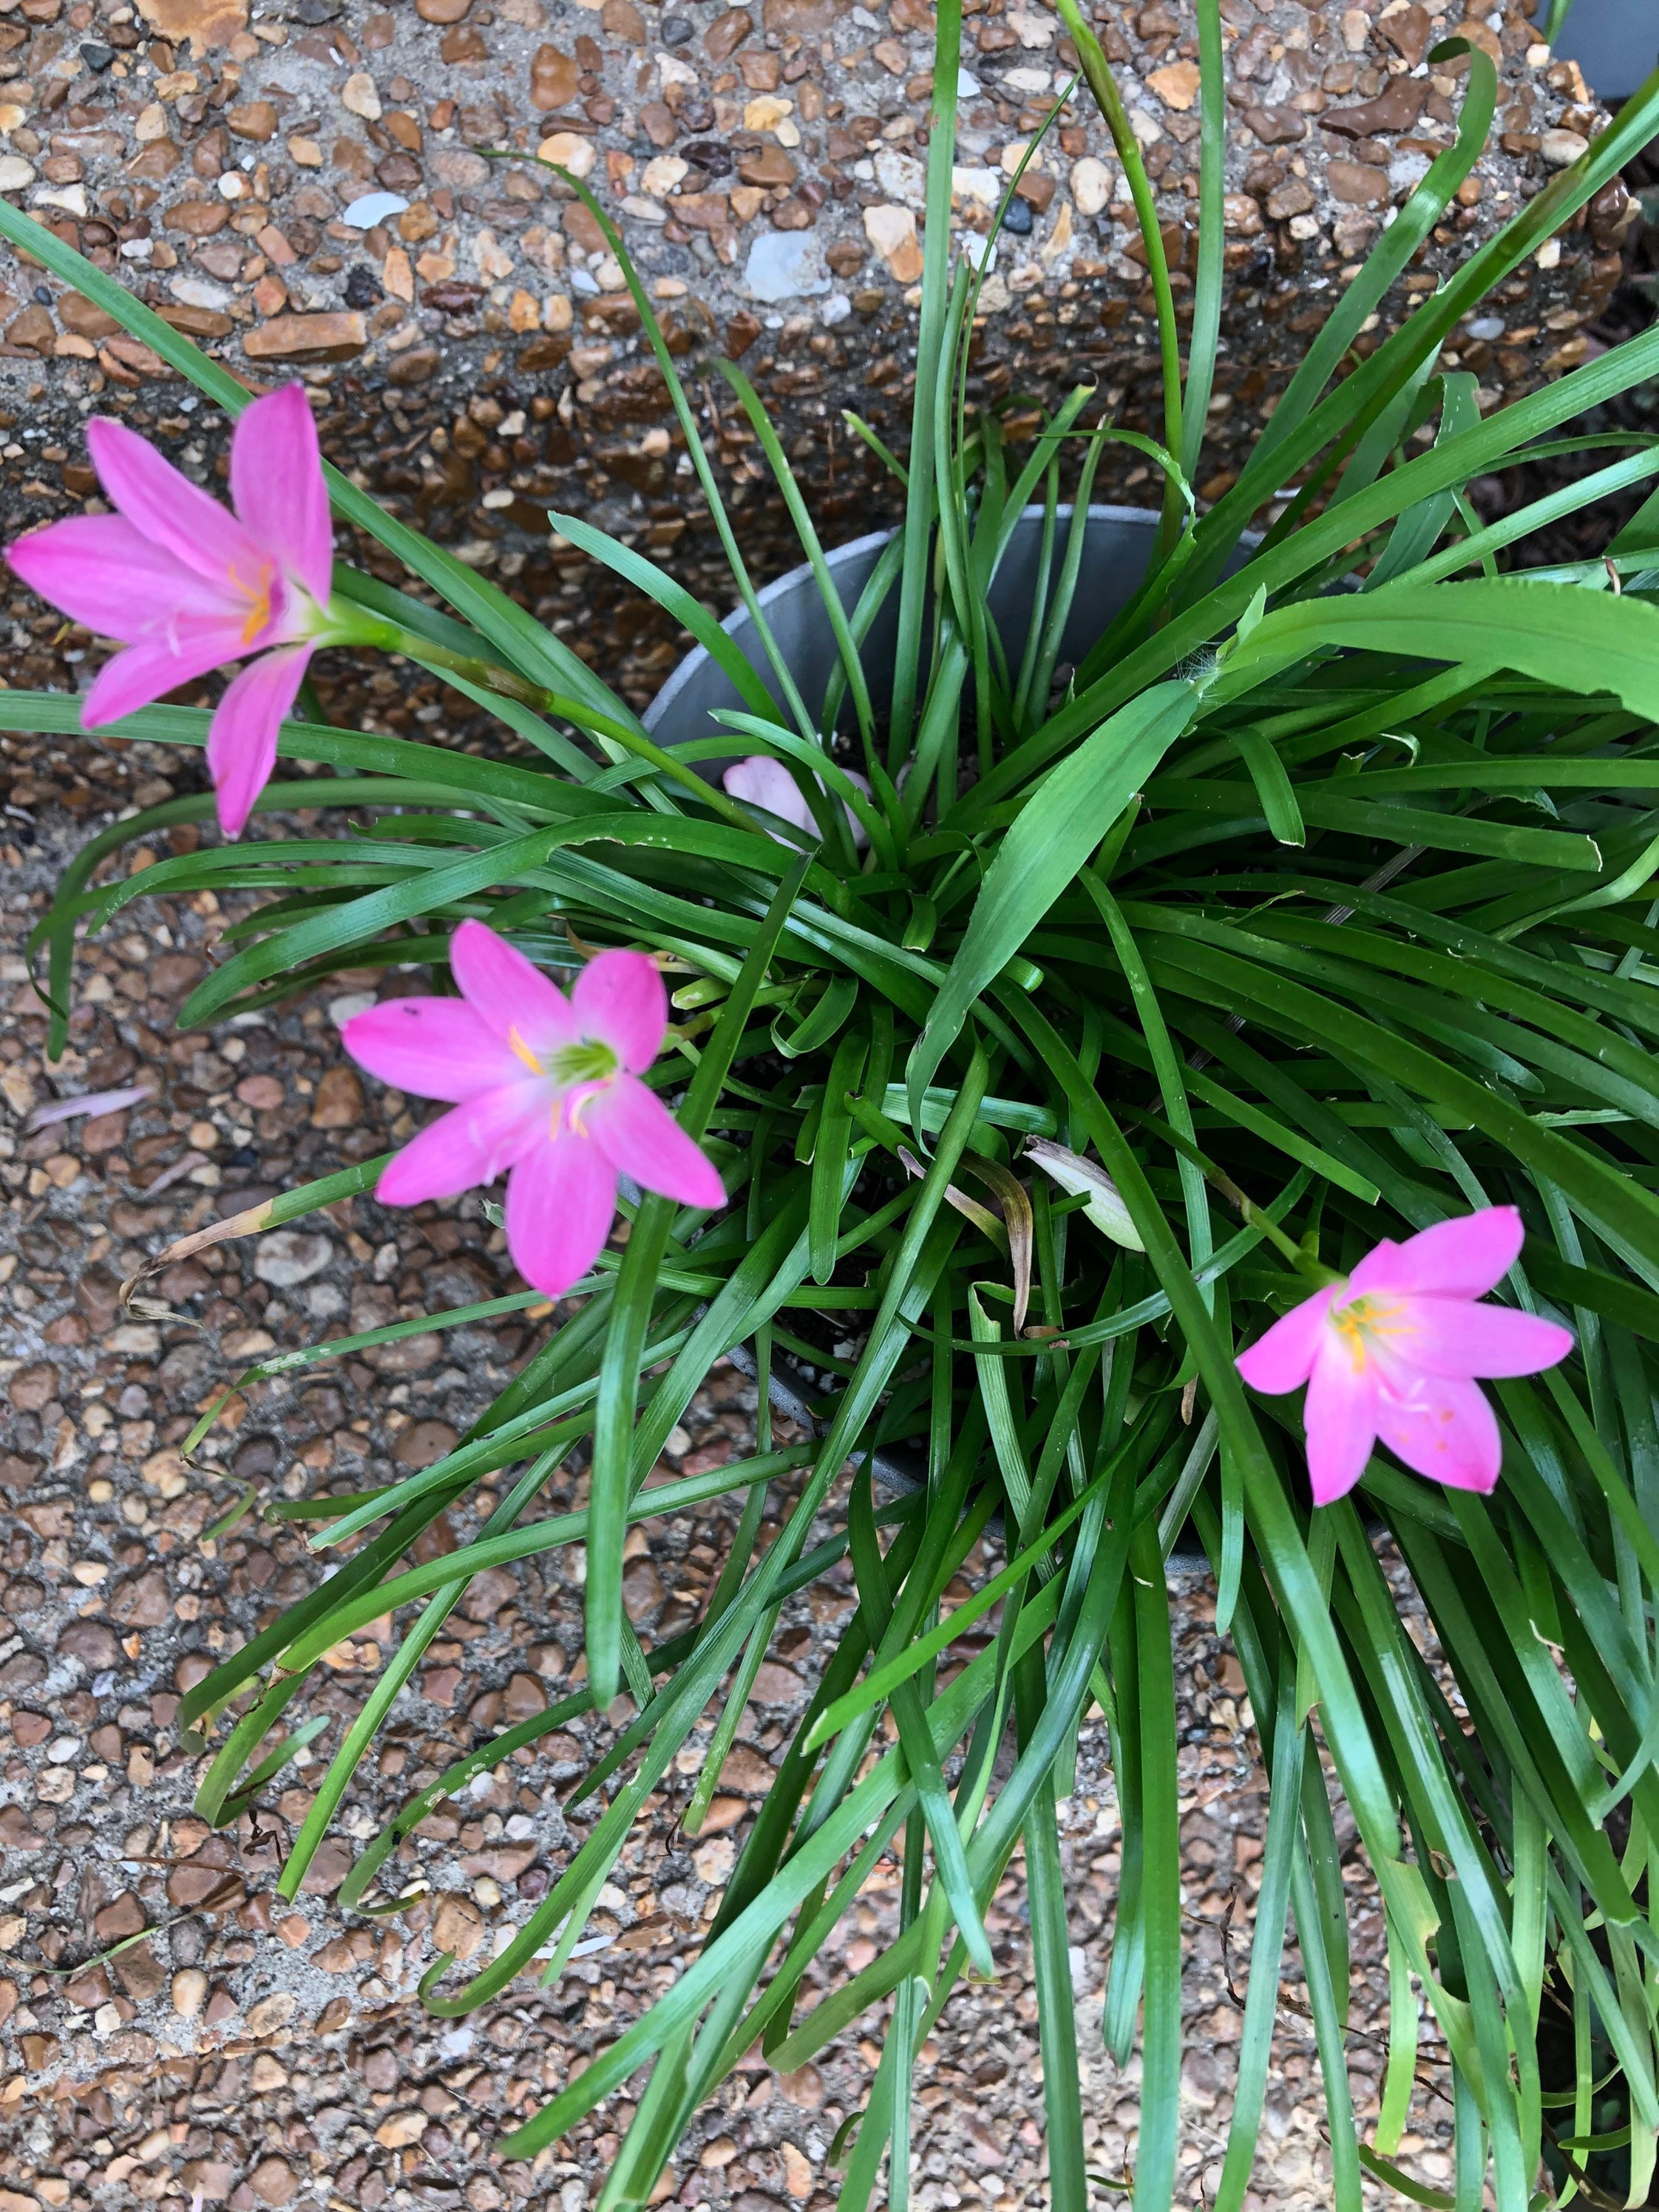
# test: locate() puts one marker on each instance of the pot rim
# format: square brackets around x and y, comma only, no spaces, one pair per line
[784,586]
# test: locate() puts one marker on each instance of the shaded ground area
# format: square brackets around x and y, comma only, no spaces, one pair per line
[266,2054]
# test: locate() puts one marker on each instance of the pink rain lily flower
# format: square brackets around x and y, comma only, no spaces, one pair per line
[760,780]
[1393,1352]
[546,1091]
[186,585]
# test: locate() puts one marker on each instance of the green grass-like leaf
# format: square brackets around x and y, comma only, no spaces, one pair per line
[1316,915]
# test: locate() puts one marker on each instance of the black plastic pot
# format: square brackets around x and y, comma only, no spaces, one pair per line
[1116,549]
[1614,42]
[1118,546]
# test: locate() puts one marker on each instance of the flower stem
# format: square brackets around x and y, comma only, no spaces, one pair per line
[350,625]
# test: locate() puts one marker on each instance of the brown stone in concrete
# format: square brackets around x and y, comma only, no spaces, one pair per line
[255,118]
[204,23]
[1277,126]
[727,32]
[796,18]
[1397,107]
[1357,184]
[554,77]
[332,337]
[1409,32]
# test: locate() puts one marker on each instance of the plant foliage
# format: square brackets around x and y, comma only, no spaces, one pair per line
[1317,902]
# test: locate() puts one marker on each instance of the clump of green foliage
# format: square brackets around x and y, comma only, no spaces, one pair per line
[1317,904]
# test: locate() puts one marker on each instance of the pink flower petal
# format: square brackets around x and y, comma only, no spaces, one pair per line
[509,992]
[1453,1336]
[278,485]
[1463,1259]
[619,998]
[167,507]
[1374,1268]
[436,1048]
[90,1101]
[1339,1415]
[760,780]
[1443,1428]
[1283,1360]
[640,1137]
[242,747]
[561,1202]
[470,1145]
[147,672]
[101,571]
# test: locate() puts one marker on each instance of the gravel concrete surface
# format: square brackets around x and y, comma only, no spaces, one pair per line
[303,187]
[256,2053]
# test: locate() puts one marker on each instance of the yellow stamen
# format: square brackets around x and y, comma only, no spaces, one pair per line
[559,1120]
[1368,1317]
[521,1051]
[258,595]
[1348,1327]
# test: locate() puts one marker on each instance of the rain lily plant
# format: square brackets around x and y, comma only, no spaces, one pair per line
[547,1090]
[1281,939]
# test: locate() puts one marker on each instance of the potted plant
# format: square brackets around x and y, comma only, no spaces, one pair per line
[1107,1005]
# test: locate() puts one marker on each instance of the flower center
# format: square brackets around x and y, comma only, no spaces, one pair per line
[1364,1319]
[258,595]
[590,1061]
[587,1063]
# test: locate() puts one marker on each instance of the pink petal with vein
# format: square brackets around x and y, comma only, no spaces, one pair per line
[561,1202]
[147,672]
[1283,1360]
[470,1145]
[435,1048]
[167,507]
[510,992]
[1451,1336]
[242,747]
[90,1101]
[1341,1418]
[1461,1259]
[1445,1430]
[619,998]
[277,483]
[640,1137]
[99,570]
